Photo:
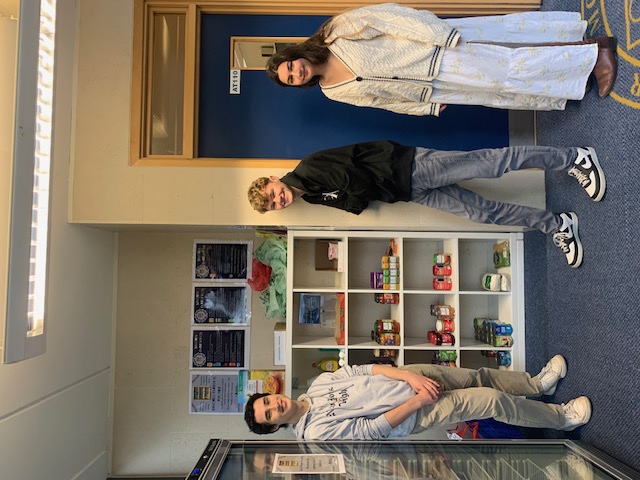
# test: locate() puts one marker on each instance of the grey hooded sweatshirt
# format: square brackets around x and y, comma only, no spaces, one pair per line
[349,404]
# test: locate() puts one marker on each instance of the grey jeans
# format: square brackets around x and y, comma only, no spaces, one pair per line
[485,393]
[435,175]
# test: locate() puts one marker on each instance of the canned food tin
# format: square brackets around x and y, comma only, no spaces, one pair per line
[447,355]
[502,341]
[387,326]
[442,283]
[504,359]
[442,311]
[385,352]
[440,270]
[442,258]
[387,298]
[441,338]
[503,329]
[391,339]
[445,326]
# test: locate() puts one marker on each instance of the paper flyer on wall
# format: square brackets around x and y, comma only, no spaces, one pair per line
[308,463]
[221,304]
[259,381]
[214,392]
[220,348]
[218,260]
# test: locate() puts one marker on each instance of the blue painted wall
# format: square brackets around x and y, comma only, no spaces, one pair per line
[268,121]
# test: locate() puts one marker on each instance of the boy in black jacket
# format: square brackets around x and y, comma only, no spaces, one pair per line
[350,177]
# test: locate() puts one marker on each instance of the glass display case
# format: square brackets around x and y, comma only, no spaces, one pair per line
[418,460]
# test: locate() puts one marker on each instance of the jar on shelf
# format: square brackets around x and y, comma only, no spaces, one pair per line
[441,338]
[385,352]
[386,326]
[445,325]
[383,338]
[443,311]
[387,298]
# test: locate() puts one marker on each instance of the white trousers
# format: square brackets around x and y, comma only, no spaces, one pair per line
[527,78]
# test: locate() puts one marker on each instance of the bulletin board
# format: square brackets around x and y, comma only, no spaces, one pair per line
[219,317]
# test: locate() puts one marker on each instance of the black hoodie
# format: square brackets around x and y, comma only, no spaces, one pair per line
[350,177]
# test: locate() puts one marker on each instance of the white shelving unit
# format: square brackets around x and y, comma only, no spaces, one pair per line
[472,256]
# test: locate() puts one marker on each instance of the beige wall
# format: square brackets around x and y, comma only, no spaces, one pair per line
[106,190]
[54,408]
[153,431]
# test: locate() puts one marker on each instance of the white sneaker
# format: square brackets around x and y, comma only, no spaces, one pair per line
[567,239]
[579,467]
[551,374]
[586,169]
[577,412]
[569,467]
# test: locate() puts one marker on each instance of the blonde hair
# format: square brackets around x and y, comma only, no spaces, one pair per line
[257,197]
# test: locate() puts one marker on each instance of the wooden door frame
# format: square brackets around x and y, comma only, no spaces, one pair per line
[194,8]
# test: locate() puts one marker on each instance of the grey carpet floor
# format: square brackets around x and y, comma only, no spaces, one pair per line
[591,315]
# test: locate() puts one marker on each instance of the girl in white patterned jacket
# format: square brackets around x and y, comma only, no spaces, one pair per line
[409,61]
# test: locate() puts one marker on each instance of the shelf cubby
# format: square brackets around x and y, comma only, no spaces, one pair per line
[471,257]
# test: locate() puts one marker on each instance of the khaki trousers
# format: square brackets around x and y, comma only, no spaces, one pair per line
[485,393]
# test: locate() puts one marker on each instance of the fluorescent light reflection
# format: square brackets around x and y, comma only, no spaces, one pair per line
[41,170]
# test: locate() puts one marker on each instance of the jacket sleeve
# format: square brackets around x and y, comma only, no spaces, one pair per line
[394,20]
[354,371]
[359,428]
[408,107]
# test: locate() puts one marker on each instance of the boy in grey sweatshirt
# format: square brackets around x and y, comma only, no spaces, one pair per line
[377,401]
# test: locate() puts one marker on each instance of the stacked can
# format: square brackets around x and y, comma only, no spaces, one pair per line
[445,316]
[441,338]
[386,332]
[493,332]
[390,272]
[385,352]
[446,358]
[387,298]
[503,359]
[445,325]
[442,271]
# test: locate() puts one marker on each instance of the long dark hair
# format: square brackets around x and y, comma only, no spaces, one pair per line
[314,49]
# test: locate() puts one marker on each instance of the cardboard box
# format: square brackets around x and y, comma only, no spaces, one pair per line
[279,344]
[322,255]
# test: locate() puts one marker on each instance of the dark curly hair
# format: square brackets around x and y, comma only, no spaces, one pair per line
[250,417]
[314,49]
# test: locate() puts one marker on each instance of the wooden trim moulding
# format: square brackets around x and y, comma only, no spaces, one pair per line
[332,7]
[217,162]
[264,7]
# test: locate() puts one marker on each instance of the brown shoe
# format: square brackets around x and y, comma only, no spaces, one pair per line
[606,67]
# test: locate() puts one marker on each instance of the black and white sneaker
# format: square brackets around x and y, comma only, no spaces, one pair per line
[567,239]
[586,169]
